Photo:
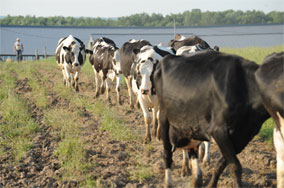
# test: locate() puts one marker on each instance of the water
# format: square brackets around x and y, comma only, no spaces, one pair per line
[223,36]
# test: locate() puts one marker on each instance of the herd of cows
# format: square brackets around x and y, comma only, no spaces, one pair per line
[194,92]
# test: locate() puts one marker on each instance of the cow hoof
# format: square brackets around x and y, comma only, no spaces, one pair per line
[109,101]
[168,185]
[137,105]
[196,183]
[102,90]
[147,140]
[184,171]
[131,106]
[154,133]
[206,163]
[97,94]
[119,101]
[77,89]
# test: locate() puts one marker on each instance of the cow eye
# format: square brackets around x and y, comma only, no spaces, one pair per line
[143,61]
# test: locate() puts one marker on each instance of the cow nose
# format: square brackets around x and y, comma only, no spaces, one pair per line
[76,64]
[144,91]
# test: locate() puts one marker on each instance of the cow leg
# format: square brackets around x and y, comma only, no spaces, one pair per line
[97,80]
[196,177]
[64,77]
[158,135]
[216,174]
[206,157]
[167,156]
[76,79]
[228,152]
[185,168]
[147,119]
[68,77]
[201,151]
[137,105]
[155,121]
[102,87]
[107,89]
[278,138]
[117,88]
[128,83]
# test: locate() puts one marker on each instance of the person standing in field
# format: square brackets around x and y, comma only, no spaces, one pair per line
[18,49]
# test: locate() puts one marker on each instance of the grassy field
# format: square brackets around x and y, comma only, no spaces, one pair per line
[27,110]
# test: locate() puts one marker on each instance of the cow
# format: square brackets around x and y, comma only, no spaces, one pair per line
[70,56]
[180,41]
[146,59]
[105,60]
[207,95]
[270,80]
[127,57]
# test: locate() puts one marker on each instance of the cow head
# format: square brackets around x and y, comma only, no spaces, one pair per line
[144,67]
[74,55]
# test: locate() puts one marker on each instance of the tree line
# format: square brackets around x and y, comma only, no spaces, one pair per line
[188,18]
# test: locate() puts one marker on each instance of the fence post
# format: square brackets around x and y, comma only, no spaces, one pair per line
[45,56]
[36,54]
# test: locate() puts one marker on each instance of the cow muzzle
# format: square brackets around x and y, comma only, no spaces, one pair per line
[144,91]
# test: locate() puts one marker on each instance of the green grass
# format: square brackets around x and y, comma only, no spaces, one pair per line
[266,131]
[17,126]
[256,54]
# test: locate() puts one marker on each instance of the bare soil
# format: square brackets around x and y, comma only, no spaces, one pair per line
[115,161]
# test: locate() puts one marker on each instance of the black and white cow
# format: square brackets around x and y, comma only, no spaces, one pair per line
[70,56]
[141,70]
[180,41]
[270,80]
[127,58]
[105,60]
[208,95]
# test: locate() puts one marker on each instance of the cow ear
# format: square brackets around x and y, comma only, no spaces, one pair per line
[136,51]
[66,48]
[89,51]
[82,47]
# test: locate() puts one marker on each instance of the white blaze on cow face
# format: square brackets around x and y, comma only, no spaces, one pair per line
[145,68]
[72,55]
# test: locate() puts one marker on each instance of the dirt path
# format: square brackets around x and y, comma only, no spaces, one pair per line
[115,161]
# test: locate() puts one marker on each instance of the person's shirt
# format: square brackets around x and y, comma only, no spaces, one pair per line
[18,45]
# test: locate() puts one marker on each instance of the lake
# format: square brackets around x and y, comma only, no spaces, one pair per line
[36,37]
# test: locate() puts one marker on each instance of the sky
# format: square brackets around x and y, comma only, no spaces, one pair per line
[118,8]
